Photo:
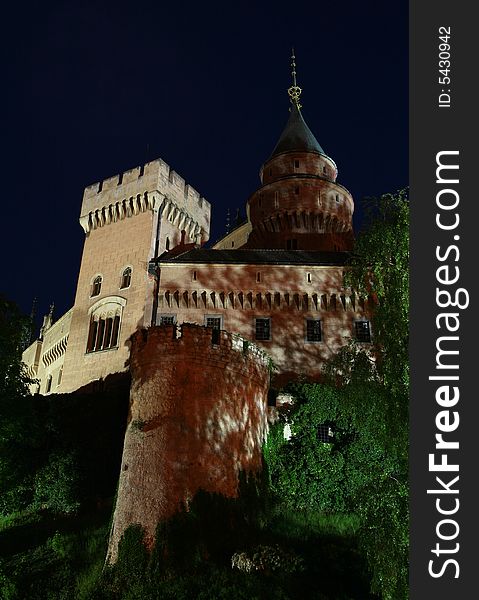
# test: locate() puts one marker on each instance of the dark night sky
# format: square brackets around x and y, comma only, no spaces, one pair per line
[98,87]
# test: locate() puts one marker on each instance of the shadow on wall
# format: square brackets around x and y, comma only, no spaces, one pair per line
[282,294]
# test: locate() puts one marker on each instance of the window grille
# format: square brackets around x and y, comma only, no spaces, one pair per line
[263,329]
[313,330]
[363,331]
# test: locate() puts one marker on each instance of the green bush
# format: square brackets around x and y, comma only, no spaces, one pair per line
[57,485]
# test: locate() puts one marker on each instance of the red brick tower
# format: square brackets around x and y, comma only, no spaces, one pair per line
[299,205]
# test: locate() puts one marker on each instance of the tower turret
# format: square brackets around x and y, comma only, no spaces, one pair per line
[299,204]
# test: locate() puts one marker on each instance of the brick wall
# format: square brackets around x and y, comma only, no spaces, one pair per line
[198,417]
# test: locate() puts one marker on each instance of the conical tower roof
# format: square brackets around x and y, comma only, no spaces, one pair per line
[296,136]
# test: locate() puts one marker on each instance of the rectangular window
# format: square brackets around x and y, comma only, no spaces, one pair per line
[363,331]
[262,329]
[213,321]
[313,330]
[325,434]
[167,319]
[296,164]
[291,244]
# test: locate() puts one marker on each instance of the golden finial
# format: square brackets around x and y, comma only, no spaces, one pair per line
[294,92]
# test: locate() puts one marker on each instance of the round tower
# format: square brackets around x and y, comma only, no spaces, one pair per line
[300,205]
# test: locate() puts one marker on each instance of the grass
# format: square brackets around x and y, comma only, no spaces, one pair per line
[63,559]
[302,525]
[43,557]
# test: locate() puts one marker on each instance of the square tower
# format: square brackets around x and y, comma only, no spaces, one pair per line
[128,219]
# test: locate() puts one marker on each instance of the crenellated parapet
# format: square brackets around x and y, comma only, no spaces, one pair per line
[154,186]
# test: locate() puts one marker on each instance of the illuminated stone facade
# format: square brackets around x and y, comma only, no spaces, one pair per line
[275,280]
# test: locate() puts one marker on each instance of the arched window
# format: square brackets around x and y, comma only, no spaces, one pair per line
[96,286]
[105,319]
[126,278]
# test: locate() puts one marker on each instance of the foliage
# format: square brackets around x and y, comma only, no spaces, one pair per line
[56,484]
[365,399]
[14,329]
[19,434]
[380,267]
[58,452]
[361,472]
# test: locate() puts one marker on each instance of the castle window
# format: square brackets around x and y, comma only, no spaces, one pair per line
[296,190]
[105,317]
[167,245]
[194,275]
[126,278]
[262,327]
[232,244]
[213,321]
[142,171]
[325,433]
[49,384]
[100,187]
[120,179]
[308,277]
[96,287]
[60,375]
[258,277]
[362,331]
[324,169]
[100,335]
[276,199]
[291,244]
[167,319]
[313,330]
[115,331]
[296,164]
[337,198]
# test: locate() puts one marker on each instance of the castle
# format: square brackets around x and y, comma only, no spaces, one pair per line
[199,328]
[276,279]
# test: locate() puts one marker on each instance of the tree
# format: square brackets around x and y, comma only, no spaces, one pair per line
[18,431]
[380,266]
[365,399]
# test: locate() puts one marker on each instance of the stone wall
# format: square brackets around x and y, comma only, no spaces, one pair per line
[289,295]
[198,417]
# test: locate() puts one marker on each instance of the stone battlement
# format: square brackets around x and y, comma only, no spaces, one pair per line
[196,344]
[138,189]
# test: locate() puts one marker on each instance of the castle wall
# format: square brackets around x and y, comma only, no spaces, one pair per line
[198,417]
[31,359]
[288,295]
[107,252]
[51,364]
[45,357]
